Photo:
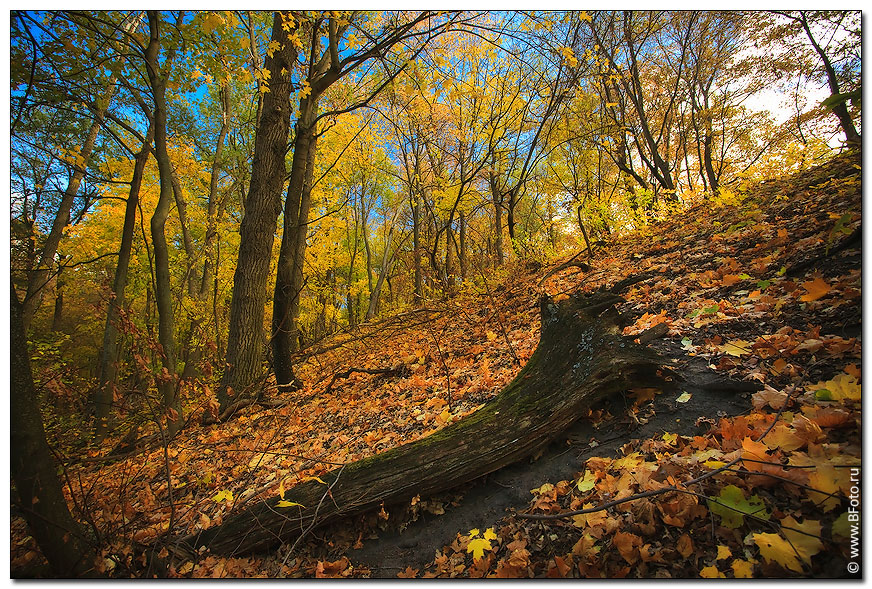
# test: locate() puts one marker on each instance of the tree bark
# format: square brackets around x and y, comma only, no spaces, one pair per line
[289,271]
[166,381]
[111,350]
[245,341]
[41,497]
[580,360]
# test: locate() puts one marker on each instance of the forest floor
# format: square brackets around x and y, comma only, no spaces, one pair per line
[760,297]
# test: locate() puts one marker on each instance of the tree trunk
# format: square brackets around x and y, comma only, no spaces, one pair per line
[386,263]
[245,340]
[289,272]
[840,109]
[580,360]
[111,350]
[41,497]
[416,247]
[461,254]
[166,381]
[58,316]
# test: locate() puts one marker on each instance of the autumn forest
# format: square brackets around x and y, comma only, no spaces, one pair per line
[452,294]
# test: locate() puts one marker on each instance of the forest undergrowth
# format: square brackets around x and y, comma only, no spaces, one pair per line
[764,284]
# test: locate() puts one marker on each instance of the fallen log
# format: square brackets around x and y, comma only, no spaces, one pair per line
[581,359]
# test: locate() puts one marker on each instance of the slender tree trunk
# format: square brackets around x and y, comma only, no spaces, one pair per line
[289,273]
[416,247]
[166,381]
[498,219]
[245,342]
[37,279]
[840,109]
[57,317]
[461,254]
[40,495]
[111,349]
[211,239]
[386,263]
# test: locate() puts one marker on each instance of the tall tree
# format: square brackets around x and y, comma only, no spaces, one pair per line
[245,346]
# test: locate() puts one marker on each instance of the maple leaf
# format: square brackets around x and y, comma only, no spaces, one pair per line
[409,573]
[477,547]
[489,534]
[774,548]
[742,569]
[711,572]
[723,552]
[816,289]
[732,506]
[805,537]
[825,480]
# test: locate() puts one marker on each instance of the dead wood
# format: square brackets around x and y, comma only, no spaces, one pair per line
[395,371]
[581,359]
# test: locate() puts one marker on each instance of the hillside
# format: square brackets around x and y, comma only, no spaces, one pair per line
[744,469]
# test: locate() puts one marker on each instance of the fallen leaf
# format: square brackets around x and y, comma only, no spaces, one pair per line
[732,506]
[815,289]
[742,569]
[774,548]
[712,572]
[723,552]
[477,547]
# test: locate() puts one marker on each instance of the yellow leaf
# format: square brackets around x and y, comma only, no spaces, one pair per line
[284,503]
[816,288]
[543,489]
[824,478]
[314,479]
[477,547]
[723,552]
[306,90]
[774,548]
[491,336]
[586,483]
[712,572]
[736,348]
[474,532]
[805,537]
[742,569]
[489,534]
[583,15]
[670,438]
[223,496]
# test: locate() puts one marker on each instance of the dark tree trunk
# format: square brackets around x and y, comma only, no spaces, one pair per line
[580,360]
[166,381]
[289,273]
[245,342]
[111,350]
[58,316]
[416,247]
[39,491]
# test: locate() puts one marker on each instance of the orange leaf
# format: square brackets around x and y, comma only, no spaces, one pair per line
[816,289]
[628,545]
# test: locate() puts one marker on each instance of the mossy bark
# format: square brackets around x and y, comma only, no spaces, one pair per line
[581,359]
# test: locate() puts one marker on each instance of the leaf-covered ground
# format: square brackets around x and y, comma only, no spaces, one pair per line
[763,287]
